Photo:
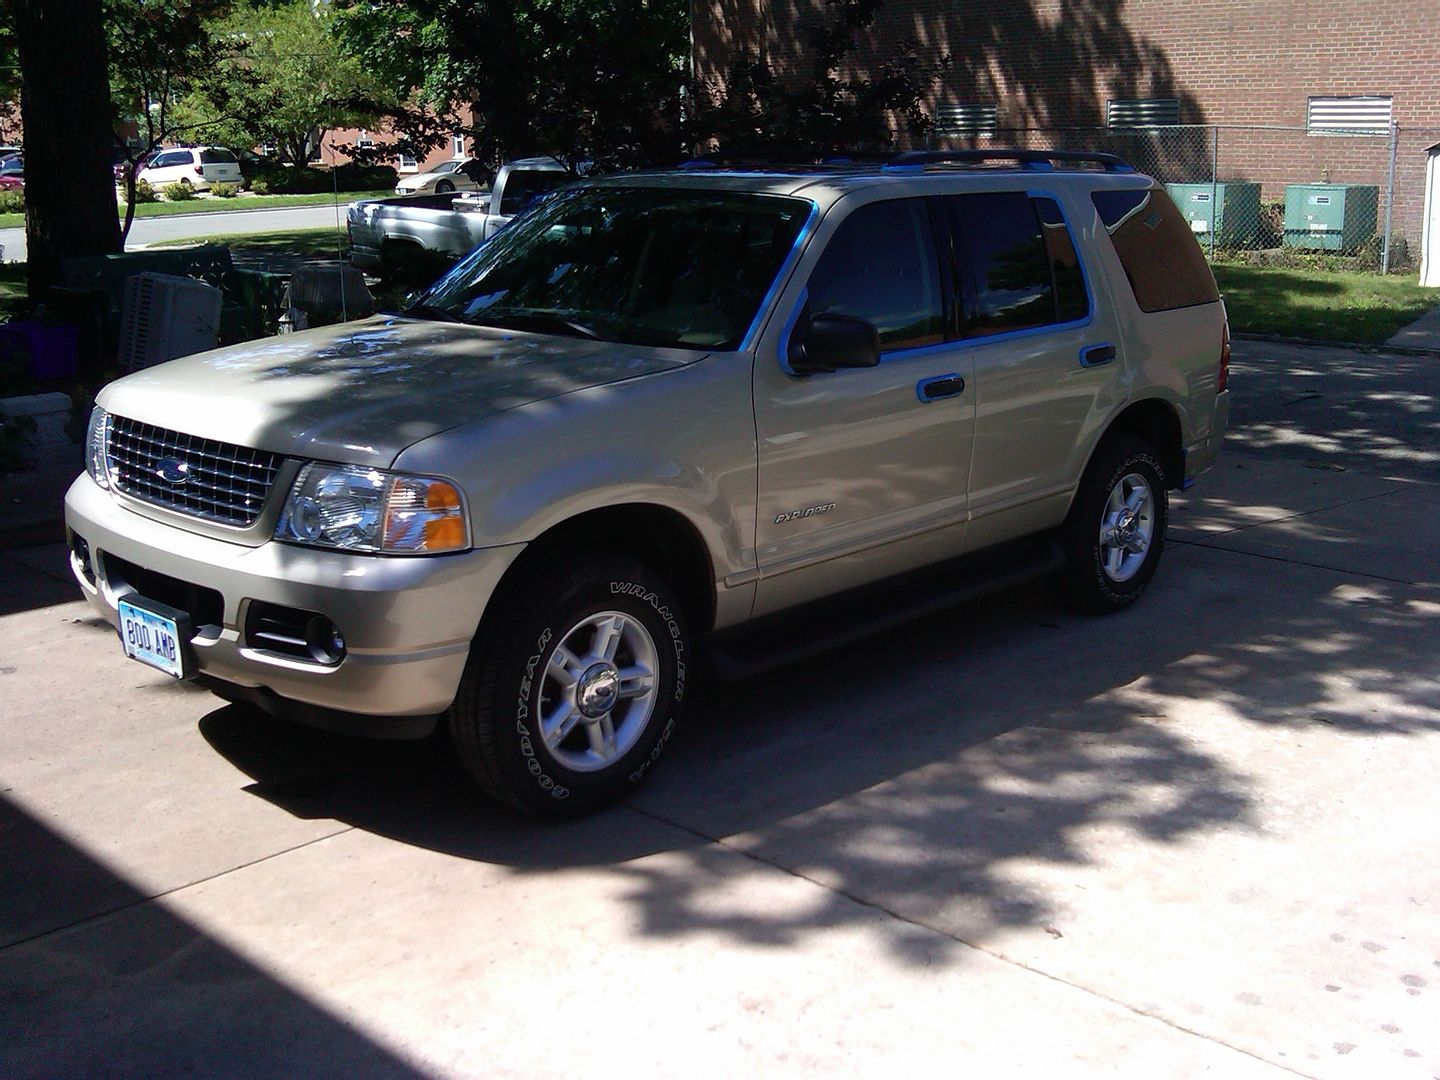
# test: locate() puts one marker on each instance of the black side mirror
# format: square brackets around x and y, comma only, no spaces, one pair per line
[828,342]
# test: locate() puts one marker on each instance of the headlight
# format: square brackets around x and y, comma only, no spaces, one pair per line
[357,509]
[97,439]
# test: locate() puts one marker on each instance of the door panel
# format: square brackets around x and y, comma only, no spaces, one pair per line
[862,472]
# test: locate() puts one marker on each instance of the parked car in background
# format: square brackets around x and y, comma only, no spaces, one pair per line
[193,166]
[12,183]
[461,174]
[13,165]
[391,231]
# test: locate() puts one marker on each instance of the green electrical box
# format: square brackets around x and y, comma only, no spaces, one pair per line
[1330,217]
[1225,214]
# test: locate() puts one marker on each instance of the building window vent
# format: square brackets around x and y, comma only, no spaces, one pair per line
[966,119]
[363,140]
[457,146]
[1368,115]
[1142,112]
[406,162]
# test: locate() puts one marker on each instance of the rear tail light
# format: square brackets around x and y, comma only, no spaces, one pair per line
[1224,380]
[199,170]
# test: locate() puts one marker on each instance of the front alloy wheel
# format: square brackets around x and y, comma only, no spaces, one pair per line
[573,686]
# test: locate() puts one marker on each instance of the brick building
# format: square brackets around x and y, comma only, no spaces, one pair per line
[1107,72]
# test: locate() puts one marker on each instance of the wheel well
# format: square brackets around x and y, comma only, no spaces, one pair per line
[661,539]
[1157,423]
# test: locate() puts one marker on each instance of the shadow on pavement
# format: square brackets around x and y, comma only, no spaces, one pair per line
[920,765]
[160,998]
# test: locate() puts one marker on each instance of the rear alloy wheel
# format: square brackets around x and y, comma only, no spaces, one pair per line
[573,687]
[1116,528]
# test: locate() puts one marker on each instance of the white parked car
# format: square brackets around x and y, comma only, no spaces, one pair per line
[193,166]
[459,174]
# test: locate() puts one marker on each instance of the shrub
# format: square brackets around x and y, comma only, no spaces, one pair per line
[224,191]
[12,202]
[178,192]
[145,192]
[365,177]
[259,185]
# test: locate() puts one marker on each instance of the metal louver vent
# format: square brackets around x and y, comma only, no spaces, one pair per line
[1369,115]
[1142,112]
[966,119]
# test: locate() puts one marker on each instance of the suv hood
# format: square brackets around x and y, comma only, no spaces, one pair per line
[362,392]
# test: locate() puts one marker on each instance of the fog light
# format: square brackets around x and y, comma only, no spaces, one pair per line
[326,643]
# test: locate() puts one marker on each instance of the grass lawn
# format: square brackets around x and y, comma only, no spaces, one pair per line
[1322,306]
[223,206]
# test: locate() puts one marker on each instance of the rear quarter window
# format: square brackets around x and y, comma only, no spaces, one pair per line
[1161,256]
[218,157]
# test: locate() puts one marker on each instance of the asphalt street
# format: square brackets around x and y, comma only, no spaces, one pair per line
[161,230]
[1196,838]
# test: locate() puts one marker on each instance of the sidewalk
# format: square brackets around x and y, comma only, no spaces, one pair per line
[1423,333]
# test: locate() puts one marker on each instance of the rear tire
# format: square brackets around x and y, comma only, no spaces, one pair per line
[573,686]
[1115,531]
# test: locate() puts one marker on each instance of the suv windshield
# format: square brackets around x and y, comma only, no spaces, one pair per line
[641,266]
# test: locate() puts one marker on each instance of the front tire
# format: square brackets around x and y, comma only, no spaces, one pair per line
[444,187]
[1115,531]
[573,687]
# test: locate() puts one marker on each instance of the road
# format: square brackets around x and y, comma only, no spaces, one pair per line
[1196,838]
[161,230]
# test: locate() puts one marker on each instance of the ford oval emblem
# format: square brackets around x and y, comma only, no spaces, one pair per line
[173,471]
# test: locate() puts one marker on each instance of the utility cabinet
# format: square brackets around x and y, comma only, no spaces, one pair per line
[1330,217]
[1227,214]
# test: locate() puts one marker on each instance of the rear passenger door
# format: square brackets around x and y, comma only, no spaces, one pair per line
[1048,360]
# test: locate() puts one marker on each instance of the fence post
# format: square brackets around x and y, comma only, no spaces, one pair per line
[1214,187]
[1389,198]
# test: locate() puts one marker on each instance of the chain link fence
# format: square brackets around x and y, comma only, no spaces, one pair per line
[1269,196]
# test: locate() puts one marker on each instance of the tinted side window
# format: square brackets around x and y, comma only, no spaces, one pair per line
[881,266]
[1004,260]
[522,185]
[1157,249]
[174,157]
[1071,300]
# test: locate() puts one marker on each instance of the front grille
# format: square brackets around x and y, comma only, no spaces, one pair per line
[223,482]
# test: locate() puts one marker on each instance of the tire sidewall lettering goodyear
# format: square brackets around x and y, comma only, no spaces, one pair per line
[522,714]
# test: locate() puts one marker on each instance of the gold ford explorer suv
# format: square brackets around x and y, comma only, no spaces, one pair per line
[657,411]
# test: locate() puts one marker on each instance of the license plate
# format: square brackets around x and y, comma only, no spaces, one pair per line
[154,634]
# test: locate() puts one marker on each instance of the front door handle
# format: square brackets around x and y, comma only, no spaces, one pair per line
[941,386]
[1095,355]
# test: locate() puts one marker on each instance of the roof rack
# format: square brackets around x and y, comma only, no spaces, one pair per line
[788,158]
[1037,160]
[904,161]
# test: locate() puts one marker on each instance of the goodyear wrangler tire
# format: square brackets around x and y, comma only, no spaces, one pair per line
[572,690]
[1116,528]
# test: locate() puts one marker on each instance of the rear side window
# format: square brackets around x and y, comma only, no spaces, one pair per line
[217,157]
[880,265]
[1017,262]
[1160,255]
[174,157]
[523,185]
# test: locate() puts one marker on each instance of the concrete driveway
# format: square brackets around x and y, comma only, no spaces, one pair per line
[1195,838]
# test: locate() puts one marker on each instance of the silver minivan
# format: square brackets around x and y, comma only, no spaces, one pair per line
[730,413]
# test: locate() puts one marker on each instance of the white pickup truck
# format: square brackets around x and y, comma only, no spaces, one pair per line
[385,233]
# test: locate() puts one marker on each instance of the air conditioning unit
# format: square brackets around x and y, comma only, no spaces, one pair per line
[164,316]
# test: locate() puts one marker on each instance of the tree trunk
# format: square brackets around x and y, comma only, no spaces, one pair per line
[65,108]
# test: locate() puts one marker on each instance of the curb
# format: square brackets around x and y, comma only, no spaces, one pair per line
[1279,339]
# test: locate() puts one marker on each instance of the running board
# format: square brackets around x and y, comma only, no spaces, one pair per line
[788,636]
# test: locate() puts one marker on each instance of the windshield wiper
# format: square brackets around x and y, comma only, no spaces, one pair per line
[540,320]
[431,311]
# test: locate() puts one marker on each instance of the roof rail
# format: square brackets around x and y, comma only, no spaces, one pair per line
[1037,160]
[787,157]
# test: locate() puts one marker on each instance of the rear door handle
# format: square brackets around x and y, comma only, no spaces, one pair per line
[1095,355]
[941,386]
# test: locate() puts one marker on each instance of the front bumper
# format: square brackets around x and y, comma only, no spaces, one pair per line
[407,621]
